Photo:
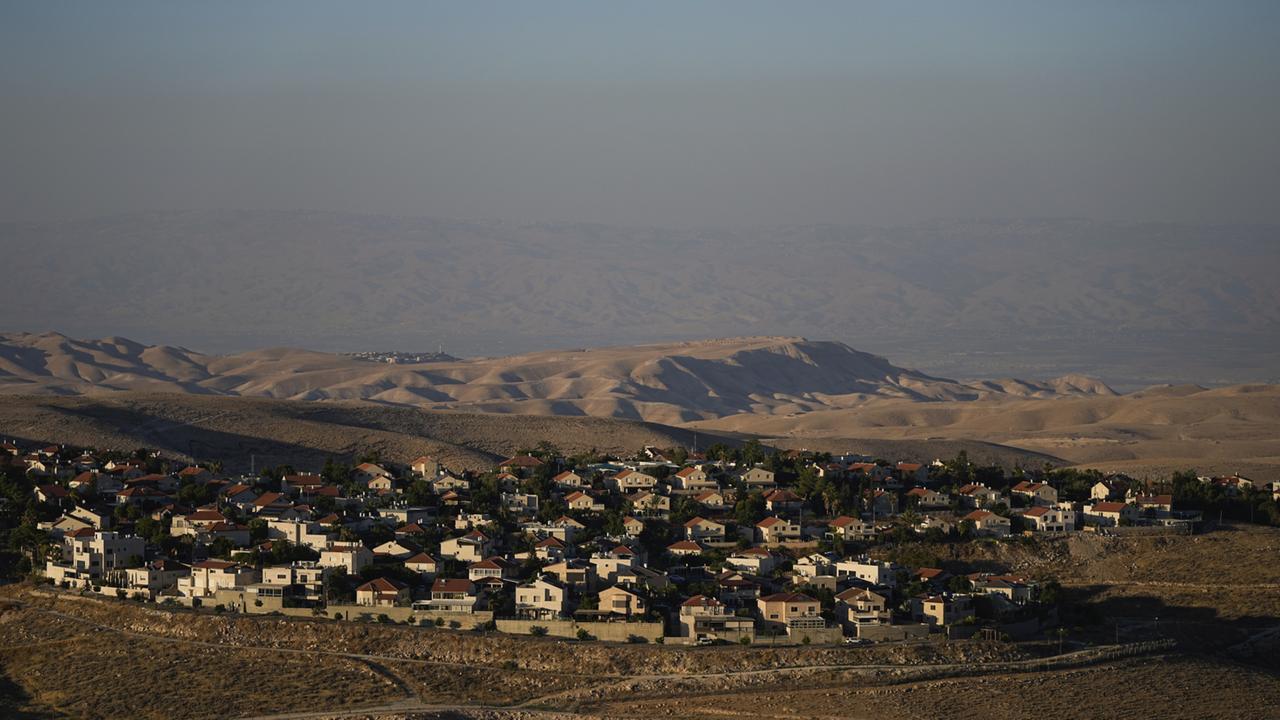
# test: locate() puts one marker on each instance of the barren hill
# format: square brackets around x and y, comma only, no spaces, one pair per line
[670,383]
[1157,431]
[790,391]
[303,434]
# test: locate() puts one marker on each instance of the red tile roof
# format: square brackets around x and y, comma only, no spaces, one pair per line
[521,461]
[382,585]
[214,565]
[788,597]
[451,585]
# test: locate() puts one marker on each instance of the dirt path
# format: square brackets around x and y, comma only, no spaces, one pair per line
[1216,587]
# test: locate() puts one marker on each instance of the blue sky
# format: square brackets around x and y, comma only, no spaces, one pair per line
[722,113]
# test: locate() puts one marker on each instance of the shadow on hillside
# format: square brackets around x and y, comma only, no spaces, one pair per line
[13,697]
[237,451]
[1134,618]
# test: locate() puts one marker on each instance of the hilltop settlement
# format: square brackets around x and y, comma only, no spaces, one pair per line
[742,545]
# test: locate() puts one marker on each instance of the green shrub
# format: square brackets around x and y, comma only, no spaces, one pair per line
[537,631]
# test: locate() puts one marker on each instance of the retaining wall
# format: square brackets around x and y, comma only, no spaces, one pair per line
[612,632]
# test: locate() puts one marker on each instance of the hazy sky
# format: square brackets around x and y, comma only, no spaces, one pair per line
[653,113]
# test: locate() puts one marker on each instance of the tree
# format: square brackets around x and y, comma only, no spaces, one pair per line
[221,548]
[1050,592]
[678,455]
[257,530]
[195,494]
[752,452]
[613,523]
[806,482]
[750,509]
[29,540]
[335,473]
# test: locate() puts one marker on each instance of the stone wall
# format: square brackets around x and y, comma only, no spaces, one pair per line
[612,632]
[816,636]
[882,633]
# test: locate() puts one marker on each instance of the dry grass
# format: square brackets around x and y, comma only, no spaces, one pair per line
[112,677]
[304,434]
[1175,687]
[150,661]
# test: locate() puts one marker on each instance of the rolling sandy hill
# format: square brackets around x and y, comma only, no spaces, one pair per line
[790,391]
[1153,432]
[669,383]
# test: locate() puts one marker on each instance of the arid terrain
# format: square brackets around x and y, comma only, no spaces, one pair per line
[672,382]
[305,434]
[789,392]
[1147,433]
[381,671]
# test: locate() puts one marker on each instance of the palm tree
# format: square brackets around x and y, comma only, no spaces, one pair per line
[1061,632]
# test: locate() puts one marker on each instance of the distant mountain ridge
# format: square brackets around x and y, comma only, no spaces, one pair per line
[667,383]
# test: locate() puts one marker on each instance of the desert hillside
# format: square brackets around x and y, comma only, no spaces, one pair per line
[668,383]
[792,392]
[302,434]
[1151,432]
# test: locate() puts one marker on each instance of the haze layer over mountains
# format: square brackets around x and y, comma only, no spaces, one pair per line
[1134,304]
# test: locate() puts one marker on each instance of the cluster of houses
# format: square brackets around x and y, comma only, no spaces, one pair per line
[643,540]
